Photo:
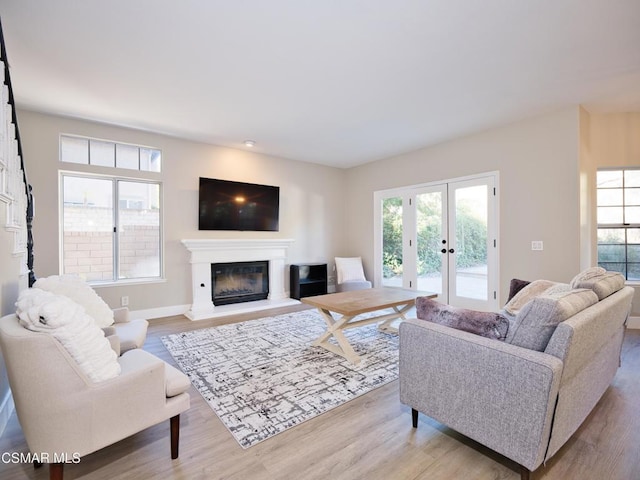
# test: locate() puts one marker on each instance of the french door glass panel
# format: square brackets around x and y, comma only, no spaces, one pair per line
[431,240]
[392,241]
[469,219]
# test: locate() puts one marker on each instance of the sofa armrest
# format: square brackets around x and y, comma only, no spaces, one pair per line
[114,341]
[108,331]
[121,314]
[500,395]
[130,402]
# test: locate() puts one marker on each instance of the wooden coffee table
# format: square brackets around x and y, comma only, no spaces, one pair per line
[354,303]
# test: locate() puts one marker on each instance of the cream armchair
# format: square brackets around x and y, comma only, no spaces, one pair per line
[65,415]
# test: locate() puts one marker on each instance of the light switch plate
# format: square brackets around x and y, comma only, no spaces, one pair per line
[537,245]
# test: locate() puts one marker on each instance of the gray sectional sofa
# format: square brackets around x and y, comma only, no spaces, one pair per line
[523,402]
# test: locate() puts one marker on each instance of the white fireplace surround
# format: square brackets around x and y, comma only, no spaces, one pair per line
[204,252]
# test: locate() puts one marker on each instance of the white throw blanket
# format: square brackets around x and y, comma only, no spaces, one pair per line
[67,322]
[73,287]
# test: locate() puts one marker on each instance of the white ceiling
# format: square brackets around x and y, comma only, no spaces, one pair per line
[336,82]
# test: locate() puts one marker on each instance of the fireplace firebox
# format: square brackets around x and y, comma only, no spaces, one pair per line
[238,282]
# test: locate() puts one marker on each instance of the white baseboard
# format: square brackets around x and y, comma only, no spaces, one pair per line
[633,322]
[159,312]
[6,409]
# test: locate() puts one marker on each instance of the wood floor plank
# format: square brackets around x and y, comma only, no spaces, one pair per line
[369,437]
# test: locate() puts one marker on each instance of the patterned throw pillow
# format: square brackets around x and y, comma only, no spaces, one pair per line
[599,280]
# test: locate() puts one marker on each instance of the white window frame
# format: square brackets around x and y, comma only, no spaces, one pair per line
[116,147]
[626,226]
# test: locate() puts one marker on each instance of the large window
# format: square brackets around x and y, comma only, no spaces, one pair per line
[111,224]
[618,200]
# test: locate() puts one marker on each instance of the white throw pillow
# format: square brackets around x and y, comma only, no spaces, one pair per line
[67,322]
[76,289]
[349,269]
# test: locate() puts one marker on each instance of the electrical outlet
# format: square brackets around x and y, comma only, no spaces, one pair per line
[124,301]
[537,245]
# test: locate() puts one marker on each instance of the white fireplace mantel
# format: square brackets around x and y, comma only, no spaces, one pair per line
[204,252]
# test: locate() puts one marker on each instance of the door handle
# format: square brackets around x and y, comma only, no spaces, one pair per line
[451,250]
[444,250]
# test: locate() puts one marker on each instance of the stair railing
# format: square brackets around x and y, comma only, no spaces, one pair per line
[27,187]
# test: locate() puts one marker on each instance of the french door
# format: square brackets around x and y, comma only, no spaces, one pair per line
[441,238]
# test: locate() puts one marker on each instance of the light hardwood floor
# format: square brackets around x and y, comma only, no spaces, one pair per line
[368,438]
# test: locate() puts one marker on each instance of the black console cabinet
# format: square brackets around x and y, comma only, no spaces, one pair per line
[308,279]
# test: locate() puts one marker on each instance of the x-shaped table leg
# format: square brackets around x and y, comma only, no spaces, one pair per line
[386,325]
[334,328]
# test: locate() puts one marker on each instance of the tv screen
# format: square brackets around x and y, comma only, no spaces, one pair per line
[227,205]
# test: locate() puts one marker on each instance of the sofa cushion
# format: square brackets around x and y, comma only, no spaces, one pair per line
[352,285]
[602,282]
[537,320]
[485,324]
[67,322]
[526,294]
[76,289]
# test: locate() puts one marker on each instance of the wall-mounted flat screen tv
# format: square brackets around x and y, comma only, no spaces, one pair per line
[227,205]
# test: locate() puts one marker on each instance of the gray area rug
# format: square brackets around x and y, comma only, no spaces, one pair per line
[262,377]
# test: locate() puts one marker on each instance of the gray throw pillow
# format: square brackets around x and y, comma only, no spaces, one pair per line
[537,320]
[485,324]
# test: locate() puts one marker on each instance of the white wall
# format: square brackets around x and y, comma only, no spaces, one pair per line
[538,164]
[10,284]
[329,211]
[311,201]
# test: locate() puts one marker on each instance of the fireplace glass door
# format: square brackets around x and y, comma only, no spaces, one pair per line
[239,282]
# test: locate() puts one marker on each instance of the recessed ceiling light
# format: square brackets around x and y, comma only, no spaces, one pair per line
[249,143]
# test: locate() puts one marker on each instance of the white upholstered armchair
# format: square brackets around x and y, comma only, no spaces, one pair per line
[350,274]
[64,414]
